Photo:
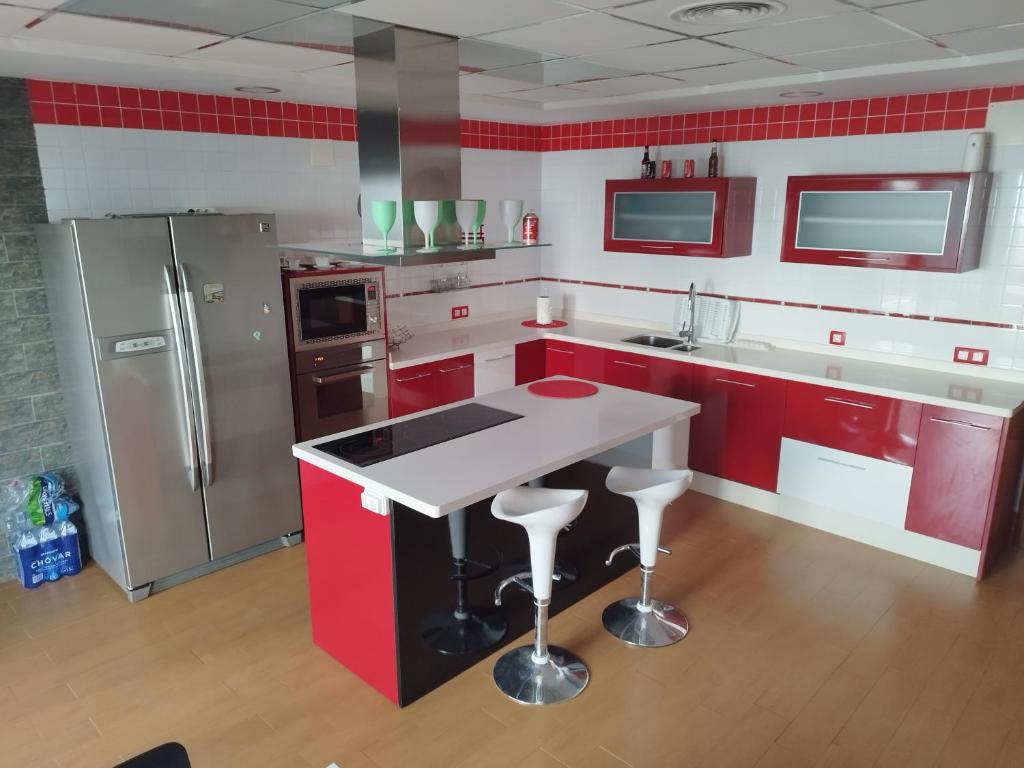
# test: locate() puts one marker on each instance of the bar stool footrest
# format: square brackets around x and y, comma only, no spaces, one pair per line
[662,625]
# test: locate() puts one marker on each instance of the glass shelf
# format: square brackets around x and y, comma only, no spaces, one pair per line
[404,257]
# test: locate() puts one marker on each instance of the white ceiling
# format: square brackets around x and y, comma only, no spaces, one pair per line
[529,60]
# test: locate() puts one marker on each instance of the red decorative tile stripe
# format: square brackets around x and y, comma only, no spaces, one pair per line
[939,111]
[486,134]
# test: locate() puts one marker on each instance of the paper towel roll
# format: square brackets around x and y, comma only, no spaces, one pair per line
[544,310]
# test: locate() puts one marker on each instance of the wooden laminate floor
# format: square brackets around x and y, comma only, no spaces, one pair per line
[805,650]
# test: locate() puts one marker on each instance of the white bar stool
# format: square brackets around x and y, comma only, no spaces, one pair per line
[539,674]
[640,620]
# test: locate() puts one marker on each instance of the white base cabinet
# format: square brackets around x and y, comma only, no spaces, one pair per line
[494,370]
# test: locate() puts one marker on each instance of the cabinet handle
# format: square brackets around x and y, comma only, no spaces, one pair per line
[659,247]
[854,403]
[413,378]
[865,258]
[503,357]
[737,383]
[456,368]
[561,351]
[842,464]
[631,365]
[956,423]
[342,376]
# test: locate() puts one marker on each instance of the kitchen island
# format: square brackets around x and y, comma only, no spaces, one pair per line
[378,542]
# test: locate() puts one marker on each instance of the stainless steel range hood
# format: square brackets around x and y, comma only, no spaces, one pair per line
[407,99]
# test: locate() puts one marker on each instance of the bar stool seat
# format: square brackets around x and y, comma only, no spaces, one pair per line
[642,621]
[539,674]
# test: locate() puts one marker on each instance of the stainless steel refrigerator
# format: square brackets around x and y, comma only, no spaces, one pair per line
[170,338]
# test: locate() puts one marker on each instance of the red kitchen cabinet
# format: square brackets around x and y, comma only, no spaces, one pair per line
[682,217]
[869,425]
[564,358]
[955,475]
[738,433]
[530,361]
[429,385]
[655,375]
[928,221]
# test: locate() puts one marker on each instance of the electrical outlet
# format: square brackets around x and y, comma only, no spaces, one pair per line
[837,338]
[460,312]
[970,355]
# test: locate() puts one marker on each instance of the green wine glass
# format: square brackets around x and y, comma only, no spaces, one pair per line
[384,213]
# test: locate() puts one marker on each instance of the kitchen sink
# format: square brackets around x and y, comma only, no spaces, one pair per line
[661,342]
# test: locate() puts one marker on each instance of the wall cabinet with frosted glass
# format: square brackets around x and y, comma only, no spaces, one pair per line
[930,221]
[680,217]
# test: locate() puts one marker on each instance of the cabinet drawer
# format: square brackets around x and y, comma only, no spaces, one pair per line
[530,362]
[879,427]
[454,379]
[563,358]
[494,370]
[859,485]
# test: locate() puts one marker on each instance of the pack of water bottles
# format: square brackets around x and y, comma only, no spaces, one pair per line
[35,514]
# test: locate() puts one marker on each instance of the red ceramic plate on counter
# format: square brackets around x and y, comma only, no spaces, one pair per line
[563,388]
[552,324]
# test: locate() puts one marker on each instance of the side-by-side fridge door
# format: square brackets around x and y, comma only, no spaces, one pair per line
[230,281]
[130,294]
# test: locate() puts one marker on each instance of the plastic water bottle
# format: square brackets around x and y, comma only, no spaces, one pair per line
[67,533]
[26,551]
[49,553]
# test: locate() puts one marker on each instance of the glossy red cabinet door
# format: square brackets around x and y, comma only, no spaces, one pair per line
[454,378]
[564,358]
[738,433]
[954,475]
[412,389]
[656,375]
[870,425]
[530,362]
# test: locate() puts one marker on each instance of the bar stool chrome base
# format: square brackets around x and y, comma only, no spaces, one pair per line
[449,634]
[562,676]
[662,625]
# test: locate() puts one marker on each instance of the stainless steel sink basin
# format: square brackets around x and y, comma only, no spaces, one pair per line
[661,342]
[652,341]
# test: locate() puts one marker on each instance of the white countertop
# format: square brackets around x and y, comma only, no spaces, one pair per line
[554,434]
[971,393]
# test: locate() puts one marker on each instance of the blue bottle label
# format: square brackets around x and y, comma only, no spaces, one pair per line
[71,562]
[29,567]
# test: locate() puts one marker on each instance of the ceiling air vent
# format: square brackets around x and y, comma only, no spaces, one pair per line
[722,14]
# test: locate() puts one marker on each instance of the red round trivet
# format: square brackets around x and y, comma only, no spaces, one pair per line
[563,388]
[552,324]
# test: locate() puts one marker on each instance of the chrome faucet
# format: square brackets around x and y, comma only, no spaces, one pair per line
[688,332]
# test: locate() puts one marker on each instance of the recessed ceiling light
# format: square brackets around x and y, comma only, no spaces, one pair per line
[257,89]
[801,94]
[727,13]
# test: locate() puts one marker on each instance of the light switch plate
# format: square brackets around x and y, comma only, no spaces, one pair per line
[837,338]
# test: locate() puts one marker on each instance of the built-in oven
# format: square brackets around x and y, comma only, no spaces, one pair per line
[340,388]
[331,309]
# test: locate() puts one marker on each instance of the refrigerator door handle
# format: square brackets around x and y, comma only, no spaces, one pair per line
[191,451]
[199,374]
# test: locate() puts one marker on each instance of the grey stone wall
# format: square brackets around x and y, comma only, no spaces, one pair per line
[33,433]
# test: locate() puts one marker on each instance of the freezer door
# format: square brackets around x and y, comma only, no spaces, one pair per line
[235,319]
[124,267]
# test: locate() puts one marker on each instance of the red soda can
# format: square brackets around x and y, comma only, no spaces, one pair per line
[530,223]
[666,169]
[688,169]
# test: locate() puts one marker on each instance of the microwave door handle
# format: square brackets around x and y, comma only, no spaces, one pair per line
[342,376]
[199,376]
[191,451]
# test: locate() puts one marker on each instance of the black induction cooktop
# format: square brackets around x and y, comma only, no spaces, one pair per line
[382,443]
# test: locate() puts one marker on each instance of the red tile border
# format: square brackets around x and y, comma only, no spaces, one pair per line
[109,106]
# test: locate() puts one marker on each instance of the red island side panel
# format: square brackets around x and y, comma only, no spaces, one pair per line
[351,580]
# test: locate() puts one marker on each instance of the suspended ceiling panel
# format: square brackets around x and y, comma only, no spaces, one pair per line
[658,13]
[588,33]
[225,17]
[256,53]
[665,57]
[462,18]
[120,35]
[870,55]
[931,17]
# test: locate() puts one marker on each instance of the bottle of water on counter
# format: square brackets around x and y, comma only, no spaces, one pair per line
[26,553]
[49,553]
[67,534]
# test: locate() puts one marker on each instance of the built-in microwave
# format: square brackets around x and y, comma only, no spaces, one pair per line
[332,309]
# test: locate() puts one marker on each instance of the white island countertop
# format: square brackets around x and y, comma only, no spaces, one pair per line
[994,396]
[554,433]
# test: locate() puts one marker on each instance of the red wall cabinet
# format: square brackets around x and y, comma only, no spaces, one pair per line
[738,433]
[682,217]
[419,387]
[955,475]
[869,425]
[656,375]
[530,361]
[928,221]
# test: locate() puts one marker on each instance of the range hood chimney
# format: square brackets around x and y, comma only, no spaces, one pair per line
[407,100]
